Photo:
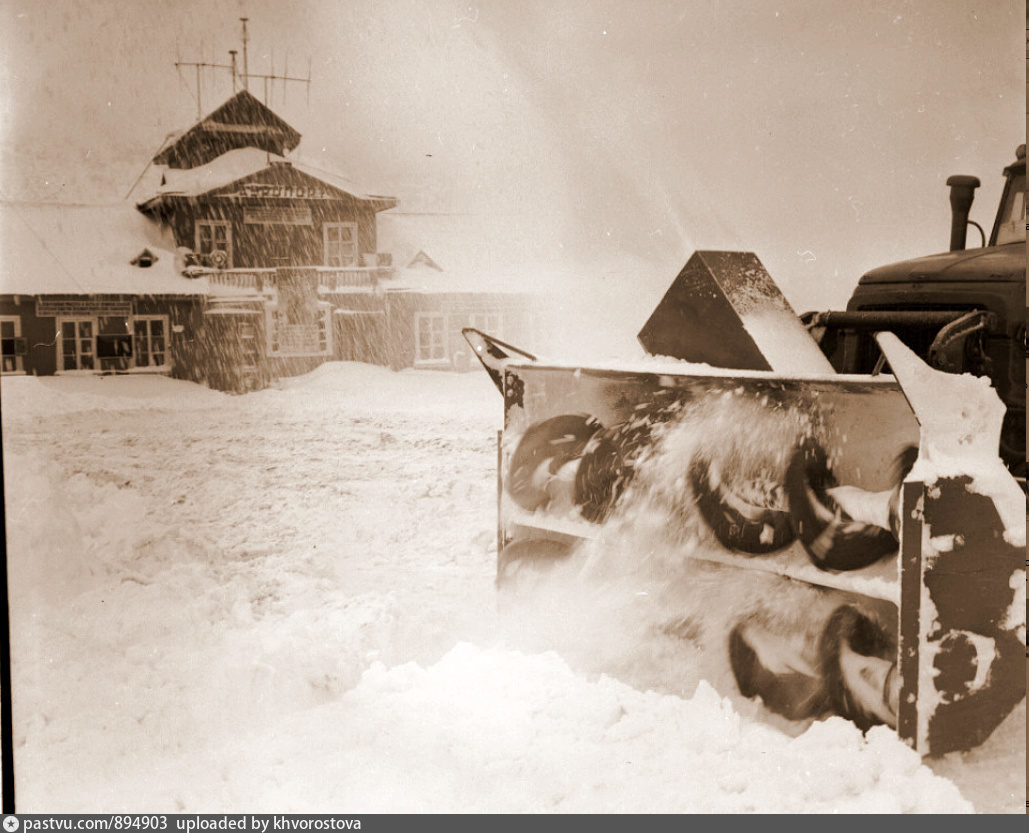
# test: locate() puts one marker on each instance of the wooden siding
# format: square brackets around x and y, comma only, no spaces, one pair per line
[40,332]
[266,246]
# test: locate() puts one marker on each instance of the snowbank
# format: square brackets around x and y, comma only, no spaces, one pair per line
[26,397]
[284,601]
[495,730]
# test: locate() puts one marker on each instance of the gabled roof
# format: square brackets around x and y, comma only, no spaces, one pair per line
[453,253]
[341,182]
[242,121]
[60,249]
[453,243]
[422,259]
[239,166]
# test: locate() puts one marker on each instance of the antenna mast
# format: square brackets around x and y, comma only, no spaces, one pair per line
[201,64]
[245,75]
[246,66]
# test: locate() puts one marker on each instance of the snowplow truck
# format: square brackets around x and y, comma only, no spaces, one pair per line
[960,310]
[855,474]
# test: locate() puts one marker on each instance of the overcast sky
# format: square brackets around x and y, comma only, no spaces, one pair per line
[611,132]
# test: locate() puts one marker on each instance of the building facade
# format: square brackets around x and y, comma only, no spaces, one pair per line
[92,289]
[232,265]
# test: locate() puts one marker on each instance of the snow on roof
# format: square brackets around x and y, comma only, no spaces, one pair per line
[227,168]
[452,253]
[240,115]
[231,167]
[335,179]
[63,249]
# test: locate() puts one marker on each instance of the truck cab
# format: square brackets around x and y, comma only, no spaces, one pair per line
[960,310]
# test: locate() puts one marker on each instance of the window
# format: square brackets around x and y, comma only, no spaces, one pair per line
[114,342]
[77,339]
[215,236]
[1011,217]
[487,322]
[340,244]
[430,338]
[151,345]
[13,344]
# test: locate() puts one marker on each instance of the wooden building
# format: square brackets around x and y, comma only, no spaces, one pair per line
[232,265]
[453,271]
[93,289]
[273,236]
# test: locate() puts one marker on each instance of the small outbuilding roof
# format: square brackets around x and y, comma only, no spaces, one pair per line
[451,253]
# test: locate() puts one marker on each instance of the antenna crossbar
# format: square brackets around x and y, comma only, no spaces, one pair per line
[243,76]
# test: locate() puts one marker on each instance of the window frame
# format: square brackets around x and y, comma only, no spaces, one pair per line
[19,358]
[475,319]
[78,339]
[97,370]
[166,335]
[1010,227]
[213,224]
[439,335]
[356,260]
[108,336]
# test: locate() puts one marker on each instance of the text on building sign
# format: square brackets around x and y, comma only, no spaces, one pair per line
[269,189]
[86,307]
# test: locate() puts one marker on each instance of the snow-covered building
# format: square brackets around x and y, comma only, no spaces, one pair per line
[451,271]
[275,238]
[92,289]
[232,264]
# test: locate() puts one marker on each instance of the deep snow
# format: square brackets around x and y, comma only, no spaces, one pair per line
[284,602]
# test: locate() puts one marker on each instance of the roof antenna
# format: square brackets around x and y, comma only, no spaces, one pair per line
[201,64]
[246,66]
[246,75]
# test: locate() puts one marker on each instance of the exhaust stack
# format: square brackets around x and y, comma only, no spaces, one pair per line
[962,192]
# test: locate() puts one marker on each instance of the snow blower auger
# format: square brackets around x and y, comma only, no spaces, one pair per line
[881,496]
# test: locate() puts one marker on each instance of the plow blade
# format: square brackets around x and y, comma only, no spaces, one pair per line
[810,480]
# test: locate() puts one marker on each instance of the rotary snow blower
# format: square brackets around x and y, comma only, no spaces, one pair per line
[740,443]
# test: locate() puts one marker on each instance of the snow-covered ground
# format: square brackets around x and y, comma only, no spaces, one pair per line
[284,602]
